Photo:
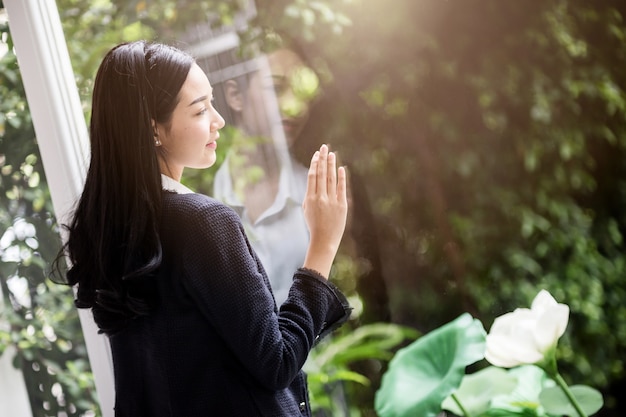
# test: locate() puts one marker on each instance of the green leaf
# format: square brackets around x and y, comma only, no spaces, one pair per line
[524,412]
[555,401]
[421,375]
[478,389]
[369,341]
[342,375]
[530,381]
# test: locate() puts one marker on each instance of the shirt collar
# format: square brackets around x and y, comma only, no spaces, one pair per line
[170,184]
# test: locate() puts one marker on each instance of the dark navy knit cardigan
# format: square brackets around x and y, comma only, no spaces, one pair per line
[216,345]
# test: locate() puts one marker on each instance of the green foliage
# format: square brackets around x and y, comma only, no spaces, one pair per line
[424,373]
[556,402]
[477,390]
[169,19]
[429,376]
[523,399]
[523,391]
[91,28]
[329,366]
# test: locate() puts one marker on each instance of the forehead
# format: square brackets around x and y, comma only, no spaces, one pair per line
[284,61]
[196,84]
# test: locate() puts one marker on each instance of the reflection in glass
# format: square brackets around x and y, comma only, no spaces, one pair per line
[266,101]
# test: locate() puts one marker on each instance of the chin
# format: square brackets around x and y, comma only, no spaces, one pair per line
[211,161]
[206,163]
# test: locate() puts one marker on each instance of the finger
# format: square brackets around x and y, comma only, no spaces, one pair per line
[342,189]
[322,168]
[332,174]
[311,184]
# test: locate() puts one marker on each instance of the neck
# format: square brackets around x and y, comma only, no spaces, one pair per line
[170,171]
[263,156]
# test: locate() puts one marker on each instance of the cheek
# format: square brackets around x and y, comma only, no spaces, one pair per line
[202,131]
[197,130]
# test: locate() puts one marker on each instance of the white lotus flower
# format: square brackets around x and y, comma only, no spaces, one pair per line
[525,335]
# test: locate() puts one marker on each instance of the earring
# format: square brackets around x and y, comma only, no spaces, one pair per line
[157,142]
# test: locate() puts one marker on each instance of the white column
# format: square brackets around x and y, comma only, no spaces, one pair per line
[62,136]
[13,395]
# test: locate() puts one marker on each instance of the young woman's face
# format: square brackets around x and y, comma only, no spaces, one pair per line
[190,138]
[295,85]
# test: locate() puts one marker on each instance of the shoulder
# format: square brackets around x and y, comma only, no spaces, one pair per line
[222,175]
[192,208]
[196,220]
[299,177]
[299,169]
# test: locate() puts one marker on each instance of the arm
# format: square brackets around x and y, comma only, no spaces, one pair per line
[229,286]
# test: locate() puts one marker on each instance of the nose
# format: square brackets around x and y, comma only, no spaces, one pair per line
[293,106]
[218,121]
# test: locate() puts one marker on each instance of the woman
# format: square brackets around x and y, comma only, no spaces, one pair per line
[170,275]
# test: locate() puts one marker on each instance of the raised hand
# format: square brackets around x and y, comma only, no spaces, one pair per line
[325,210]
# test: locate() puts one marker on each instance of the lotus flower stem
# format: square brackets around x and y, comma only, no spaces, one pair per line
[456,400]
[561,383]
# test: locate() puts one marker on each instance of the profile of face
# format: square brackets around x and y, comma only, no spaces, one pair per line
[189,138]
[294,86]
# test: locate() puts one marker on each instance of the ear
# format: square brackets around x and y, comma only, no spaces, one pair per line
[155,129]
[234,96]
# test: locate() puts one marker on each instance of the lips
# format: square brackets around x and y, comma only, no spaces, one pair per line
[288,122]
[289,125]
[213,141]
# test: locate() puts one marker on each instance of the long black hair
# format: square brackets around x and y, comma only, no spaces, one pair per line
[113,241]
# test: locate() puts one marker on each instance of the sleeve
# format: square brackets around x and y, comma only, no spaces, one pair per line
[229,285]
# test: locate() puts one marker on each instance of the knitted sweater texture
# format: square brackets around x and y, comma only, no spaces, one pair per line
[216,344]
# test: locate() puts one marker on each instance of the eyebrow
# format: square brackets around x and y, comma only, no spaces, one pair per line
[198,100]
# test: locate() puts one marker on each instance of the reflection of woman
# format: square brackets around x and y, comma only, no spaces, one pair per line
[269,204]
[169,274]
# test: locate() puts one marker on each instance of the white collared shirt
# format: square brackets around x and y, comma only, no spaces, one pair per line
[170,184]
[279,236]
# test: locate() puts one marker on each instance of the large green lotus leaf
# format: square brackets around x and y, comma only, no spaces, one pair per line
[422,374]
[555,401]
[478,389]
